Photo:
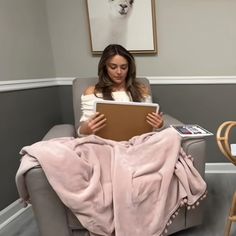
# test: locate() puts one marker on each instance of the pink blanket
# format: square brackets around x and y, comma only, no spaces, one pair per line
[130,188]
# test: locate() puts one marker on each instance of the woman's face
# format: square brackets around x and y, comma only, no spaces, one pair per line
[117,69]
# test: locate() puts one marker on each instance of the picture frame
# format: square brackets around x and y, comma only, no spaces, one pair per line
[130,23]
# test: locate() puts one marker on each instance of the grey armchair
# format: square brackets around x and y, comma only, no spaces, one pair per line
[54,218]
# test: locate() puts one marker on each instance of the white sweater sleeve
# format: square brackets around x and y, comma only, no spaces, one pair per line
[87,106]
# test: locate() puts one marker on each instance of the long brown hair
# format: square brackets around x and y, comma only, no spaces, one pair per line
[105,84]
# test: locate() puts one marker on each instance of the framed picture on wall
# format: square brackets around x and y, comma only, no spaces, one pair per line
[131,23]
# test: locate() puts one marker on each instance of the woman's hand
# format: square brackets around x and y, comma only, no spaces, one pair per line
[155,120]
[94,124]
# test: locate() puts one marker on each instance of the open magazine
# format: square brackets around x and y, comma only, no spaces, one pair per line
[191,130]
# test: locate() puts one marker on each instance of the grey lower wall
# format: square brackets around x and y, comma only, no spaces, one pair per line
[66,104]
[206,105]
[27,115]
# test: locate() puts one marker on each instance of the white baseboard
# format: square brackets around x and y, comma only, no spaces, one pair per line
[220,168]
[11,212]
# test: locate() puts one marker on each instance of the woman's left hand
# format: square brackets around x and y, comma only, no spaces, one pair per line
[155,120]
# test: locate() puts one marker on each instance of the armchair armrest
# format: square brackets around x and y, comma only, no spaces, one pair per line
[50,211]
[169,120]
[58,131]
[45,202]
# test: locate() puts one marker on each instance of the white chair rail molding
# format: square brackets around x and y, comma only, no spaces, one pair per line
[11,85]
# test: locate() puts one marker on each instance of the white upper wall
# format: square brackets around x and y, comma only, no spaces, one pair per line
[194,38]
[25,45]
[48,38]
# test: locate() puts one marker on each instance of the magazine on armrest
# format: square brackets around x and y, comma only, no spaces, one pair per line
[191,130]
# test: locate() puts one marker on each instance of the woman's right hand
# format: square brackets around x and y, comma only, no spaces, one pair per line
[92,125]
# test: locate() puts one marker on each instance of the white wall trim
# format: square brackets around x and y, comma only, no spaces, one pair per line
[192,79]
[11,212]
[220,167]
[11,85]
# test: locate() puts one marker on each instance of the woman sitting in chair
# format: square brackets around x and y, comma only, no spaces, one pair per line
[134,187]
[117,81]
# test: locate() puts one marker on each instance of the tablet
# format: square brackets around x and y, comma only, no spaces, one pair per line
[124,119]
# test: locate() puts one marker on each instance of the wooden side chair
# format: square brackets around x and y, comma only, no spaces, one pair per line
[223,140]
[231,217]
[222,137]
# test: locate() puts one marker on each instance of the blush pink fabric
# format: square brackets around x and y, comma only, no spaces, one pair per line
[118,188]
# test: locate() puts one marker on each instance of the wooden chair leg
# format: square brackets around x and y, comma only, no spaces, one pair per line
[222,137]
[231,217]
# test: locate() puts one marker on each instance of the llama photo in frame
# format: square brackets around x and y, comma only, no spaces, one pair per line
[130,23]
